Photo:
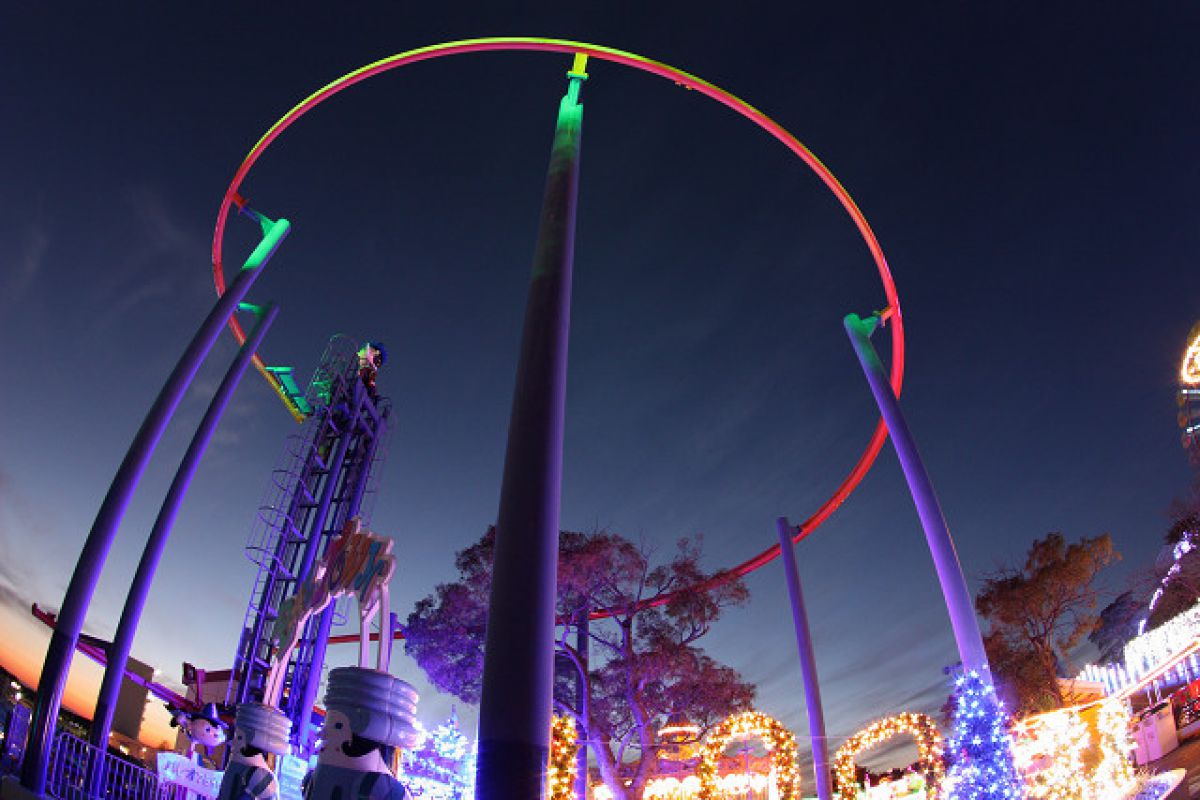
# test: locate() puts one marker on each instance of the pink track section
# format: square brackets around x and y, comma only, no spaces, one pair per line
[893,315]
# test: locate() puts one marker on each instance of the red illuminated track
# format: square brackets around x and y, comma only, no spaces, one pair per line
[879,435]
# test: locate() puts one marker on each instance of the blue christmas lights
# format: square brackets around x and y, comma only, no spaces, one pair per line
[979,750]
[443,767]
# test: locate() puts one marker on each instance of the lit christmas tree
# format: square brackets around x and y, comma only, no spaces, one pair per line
[443,766]
[980,750]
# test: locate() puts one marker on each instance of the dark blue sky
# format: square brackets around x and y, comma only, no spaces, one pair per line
[1030,172]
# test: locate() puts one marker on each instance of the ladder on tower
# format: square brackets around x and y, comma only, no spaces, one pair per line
[325,477]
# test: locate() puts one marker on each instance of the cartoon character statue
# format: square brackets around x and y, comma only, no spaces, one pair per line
[258,729]
[202,728]
[371,357]
[368,713]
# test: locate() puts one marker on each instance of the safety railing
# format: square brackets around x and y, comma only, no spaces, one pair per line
[81,771]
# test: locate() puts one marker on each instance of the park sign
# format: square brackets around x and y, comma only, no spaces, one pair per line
[357,562]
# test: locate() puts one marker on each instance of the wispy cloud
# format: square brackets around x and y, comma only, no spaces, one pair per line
[28,266]
[150,272]
[20,526]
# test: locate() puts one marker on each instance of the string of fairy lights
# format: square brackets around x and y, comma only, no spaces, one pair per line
[929,751]
[777,739]
[560,767]
[1078,753]
[1063,760]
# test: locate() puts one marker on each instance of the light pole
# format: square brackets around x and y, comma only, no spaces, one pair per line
[514,709]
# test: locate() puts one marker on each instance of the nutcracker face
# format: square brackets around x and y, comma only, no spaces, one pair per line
[340,749]
[201,731]
[335,734]
[242,751]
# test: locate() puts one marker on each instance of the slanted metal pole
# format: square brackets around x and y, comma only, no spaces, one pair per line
[139,590]
[945,559]
[75,604]
[808,662]
[518,666]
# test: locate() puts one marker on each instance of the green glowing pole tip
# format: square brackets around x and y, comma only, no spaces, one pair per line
[273,234]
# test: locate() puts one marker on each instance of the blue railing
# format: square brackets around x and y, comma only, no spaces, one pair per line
[76,764]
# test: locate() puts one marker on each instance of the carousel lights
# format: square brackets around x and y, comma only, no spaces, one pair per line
[736,784]
[778,741]
[679,730]
[560,770]
[929,749]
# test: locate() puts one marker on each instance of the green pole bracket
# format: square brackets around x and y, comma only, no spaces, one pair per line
[576,76]
[274,232]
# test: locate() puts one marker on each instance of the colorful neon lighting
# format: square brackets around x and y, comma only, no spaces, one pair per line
[892,313]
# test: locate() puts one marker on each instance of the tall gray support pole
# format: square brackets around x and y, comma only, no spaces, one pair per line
[808,662]
[945,559]
[139,590]
[518,667]
[75,603]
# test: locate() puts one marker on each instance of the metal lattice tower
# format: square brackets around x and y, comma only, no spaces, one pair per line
[323,479]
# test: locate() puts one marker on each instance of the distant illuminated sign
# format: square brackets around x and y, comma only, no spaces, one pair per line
[1189,370]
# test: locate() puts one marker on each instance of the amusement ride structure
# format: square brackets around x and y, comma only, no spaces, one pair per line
[327,469]
[324,476]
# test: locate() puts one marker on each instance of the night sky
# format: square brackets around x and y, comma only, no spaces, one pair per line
[1030,171]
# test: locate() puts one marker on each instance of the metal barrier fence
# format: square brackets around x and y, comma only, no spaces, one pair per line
[74,765]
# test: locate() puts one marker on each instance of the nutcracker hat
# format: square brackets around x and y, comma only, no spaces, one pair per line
[209,714]
[264,727]
[380,707]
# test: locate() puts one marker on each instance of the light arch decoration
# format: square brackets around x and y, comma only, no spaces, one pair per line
[929,749]
[778,740]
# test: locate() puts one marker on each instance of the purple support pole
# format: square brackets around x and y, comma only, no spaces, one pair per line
[75,604]
[583,703]
[518,666]
[945,559]
[139,590]
[808,662]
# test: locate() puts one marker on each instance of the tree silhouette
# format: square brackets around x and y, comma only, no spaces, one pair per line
[642,663]
[1039,612]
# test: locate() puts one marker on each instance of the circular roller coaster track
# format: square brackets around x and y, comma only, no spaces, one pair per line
[234,198]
